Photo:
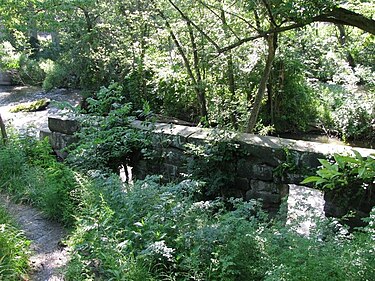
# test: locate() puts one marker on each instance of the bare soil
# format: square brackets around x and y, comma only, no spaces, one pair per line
[49,254]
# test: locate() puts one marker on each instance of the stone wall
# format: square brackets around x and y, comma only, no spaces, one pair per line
[60,132]
[262,174]
[255,174]
[5,78]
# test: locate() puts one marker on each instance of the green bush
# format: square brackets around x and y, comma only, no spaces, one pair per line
[293,102]
[106,138]
[29,71]
[344,171]
[159,232]
[14,250]
[57,77]
[348,112]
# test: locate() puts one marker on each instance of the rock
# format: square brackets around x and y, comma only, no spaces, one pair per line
[63,125]
[249,170]
[38,105]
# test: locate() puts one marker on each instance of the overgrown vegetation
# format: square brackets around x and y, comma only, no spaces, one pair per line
[152,231]
[31,174]
[14,249]
[215,162]
[344,171]
[348,184]
[105,135]
[217,63]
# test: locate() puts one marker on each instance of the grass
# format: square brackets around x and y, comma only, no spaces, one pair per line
[14,250]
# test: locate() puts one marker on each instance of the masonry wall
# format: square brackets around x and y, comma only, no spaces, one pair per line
[262,174]
[255,174]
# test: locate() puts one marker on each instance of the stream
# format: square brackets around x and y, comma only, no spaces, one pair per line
[11,96]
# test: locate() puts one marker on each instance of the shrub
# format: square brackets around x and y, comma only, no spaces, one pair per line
[57,77]
[29,71]
[215,162]
[106,138]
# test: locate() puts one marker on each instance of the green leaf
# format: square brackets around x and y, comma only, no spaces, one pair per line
[311,179]
[357,155]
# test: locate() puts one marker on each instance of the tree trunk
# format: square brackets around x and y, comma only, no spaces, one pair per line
[199,87]
[270,103]
[3,131]
[197,82]
[230,69]
[342,41]
[346,17]
[272,45]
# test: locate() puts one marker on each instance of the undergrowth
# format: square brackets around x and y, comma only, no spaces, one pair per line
[14,250]
[32,175]
[153,231]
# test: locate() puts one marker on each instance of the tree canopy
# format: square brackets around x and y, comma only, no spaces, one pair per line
[204,61]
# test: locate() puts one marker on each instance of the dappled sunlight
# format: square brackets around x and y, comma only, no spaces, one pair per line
[305,207]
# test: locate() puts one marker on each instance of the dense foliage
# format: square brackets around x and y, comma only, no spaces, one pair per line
[32,175]
[206,61]
[344,172]
[151,231]
[271,66]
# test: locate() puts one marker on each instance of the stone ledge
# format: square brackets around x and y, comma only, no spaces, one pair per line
[272,143]
[64,125]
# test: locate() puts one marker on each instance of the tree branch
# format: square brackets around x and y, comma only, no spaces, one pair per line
[186,18]
[346,17]
[337,15]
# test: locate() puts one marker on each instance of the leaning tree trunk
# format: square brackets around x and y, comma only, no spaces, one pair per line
[3,131]
[272,45]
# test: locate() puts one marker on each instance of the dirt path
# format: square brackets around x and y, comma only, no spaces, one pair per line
[49,254]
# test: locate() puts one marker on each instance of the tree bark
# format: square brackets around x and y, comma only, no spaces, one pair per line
[342,41]
[272,46]
[346,17]
[3,131]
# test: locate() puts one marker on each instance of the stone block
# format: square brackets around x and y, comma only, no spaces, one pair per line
[141,170]
[250,170]
[241,183]
[268,199]
[44,133]
[63,125]
[235,193]
[170,170]
[174,156]
[60,141]
[310,159]
[269,193]
[293,178]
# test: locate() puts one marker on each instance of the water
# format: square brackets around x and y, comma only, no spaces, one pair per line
[32,122]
